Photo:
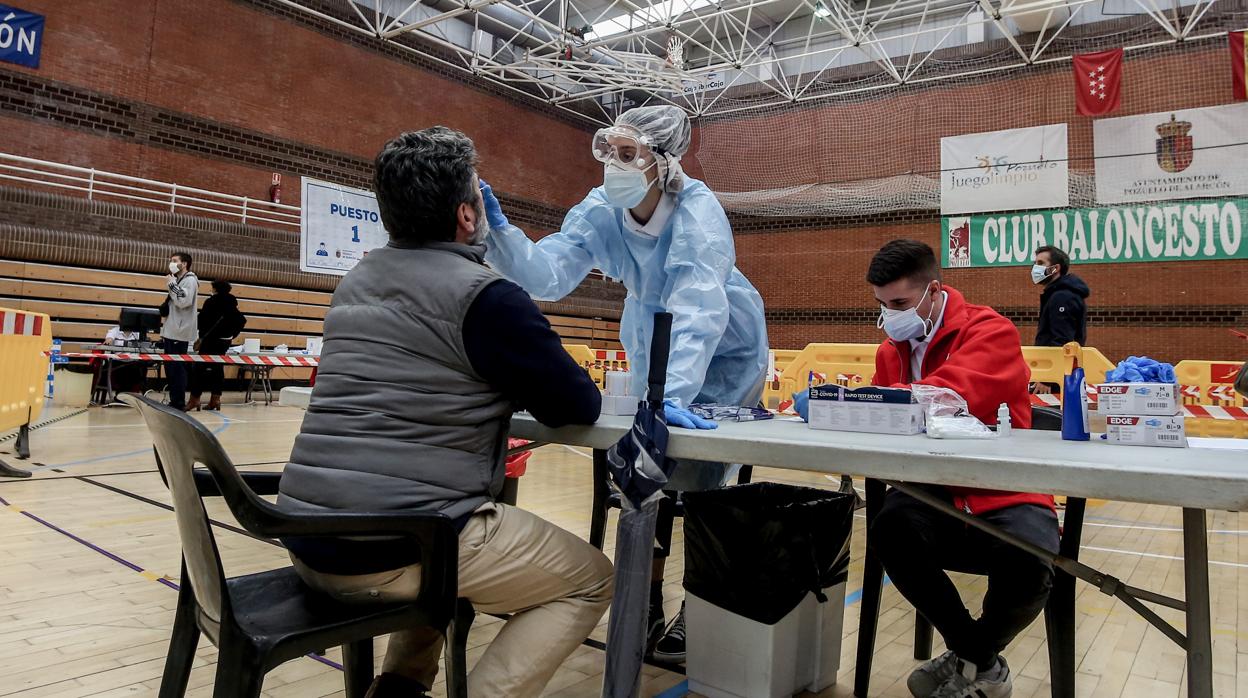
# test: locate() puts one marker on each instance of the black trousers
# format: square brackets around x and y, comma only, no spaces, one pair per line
[176,371]
[209,377]
[917,543]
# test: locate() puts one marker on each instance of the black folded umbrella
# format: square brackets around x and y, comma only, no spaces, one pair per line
[639,469]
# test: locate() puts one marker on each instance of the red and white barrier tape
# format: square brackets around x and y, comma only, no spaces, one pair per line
[1198,411]
[245,360]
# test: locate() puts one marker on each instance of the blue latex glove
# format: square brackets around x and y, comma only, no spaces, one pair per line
[493,210]
[801,403]
[1141,369]
[683,418]
[1165,374]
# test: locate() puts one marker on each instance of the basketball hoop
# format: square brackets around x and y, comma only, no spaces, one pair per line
[676,53]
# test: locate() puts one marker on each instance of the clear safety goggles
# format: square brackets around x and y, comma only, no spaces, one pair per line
[622,145]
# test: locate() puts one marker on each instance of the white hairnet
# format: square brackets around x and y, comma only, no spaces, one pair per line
[667,126]
[671,174]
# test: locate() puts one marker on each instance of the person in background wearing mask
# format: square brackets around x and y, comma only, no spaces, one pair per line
[1063,303]
[180,328]
[666,237]
[935,337]
[219,323]
[427,354]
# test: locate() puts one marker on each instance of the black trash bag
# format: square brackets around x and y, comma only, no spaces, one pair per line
[757,550]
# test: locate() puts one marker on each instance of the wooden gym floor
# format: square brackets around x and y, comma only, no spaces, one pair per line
[89,546]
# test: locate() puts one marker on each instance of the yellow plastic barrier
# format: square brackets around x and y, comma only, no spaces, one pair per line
[1051,364]
[24,340]
[1209,382]
[779,360]
[1207,389]
[597,361]
[851,365]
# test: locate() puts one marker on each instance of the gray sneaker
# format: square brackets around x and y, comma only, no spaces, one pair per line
[924,681]
[967,682]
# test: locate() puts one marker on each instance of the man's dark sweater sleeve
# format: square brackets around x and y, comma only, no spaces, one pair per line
[511,345]
[1063,311]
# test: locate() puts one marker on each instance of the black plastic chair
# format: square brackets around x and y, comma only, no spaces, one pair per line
[1059,611]
[259,621]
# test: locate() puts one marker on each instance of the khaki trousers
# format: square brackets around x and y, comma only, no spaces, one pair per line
[556,585]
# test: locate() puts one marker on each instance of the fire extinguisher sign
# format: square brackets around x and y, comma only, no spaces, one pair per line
[340,226]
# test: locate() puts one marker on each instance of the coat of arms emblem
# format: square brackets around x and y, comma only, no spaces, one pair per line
[1174,148]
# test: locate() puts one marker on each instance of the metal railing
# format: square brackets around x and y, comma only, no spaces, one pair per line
[100,185]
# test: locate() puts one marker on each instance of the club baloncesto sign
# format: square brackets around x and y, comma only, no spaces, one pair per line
[1165,232]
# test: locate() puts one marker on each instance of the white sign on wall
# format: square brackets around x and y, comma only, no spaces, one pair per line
[340,226]
[1181,154]
[710,81]
[1019,168]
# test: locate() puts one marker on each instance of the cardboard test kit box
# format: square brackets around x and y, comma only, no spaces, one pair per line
[869,409]
[1160,399]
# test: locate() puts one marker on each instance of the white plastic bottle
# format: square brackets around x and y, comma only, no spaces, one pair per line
[1003,420]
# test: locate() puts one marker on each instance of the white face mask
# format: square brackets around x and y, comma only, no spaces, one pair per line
[1039,273]
[173,267]
[625,187]
[903,325]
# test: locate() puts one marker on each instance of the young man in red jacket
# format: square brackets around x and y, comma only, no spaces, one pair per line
[937,338]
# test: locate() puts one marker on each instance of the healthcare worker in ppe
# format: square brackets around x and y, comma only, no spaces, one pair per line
[667,238]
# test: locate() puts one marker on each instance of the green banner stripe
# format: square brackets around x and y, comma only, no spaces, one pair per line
[1170,232]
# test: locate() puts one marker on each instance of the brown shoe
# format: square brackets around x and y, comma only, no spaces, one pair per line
[192,405]
[214,402]
[395,686]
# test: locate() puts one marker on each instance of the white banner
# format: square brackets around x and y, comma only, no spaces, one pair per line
[1018,168]
[340,226]
[1182,154]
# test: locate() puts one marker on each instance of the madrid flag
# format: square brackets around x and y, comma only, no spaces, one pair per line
[1239,64]
[1098,77]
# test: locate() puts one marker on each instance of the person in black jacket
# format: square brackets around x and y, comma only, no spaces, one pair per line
[220,321]
[1063,303]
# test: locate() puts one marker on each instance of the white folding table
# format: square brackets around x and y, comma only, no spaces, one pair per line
[1028,461]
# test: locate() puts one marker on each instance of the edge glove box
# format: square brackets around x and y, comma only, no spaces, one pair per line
[1127,399]
[868,409]
[1146,430]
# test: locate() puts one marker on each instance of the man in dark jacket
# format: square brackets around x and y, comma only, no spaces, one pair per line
[427,354]
[1063,309]
[220,321]
[1063,305]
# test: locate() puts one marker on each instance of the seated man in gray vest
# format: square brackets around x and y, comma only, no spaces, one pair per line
[427,354]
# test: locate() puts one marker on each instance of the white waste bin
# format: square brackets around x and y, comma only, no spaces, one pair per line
[731,656]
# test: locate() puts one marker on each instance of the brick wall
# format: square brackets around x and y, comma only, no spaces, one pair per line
[238,82]
[810,271]
[218,94]
[812,279]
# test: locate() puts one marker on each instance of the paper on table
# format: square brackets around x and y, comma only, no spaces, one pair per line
[1223,444]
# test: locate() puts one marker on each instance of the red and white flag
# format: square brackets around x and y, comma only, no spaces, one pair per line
[1098,79]
[1239,64]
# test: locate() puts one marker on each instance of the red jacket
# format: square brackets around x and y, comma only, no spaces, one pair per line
[976,353]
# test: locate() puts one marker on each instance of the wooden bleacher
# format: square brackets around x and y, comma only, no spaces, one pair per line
[85,303]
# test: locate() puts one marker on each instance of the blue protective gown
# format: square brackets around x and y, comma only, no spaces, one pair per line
[719,335]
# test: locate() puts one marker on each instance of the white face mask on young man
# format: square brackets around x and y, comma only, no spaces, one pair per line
[904,325]
[173,268]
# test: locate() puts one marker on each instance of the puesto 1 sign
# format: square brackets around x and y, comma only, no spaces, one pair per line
[1181,231]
